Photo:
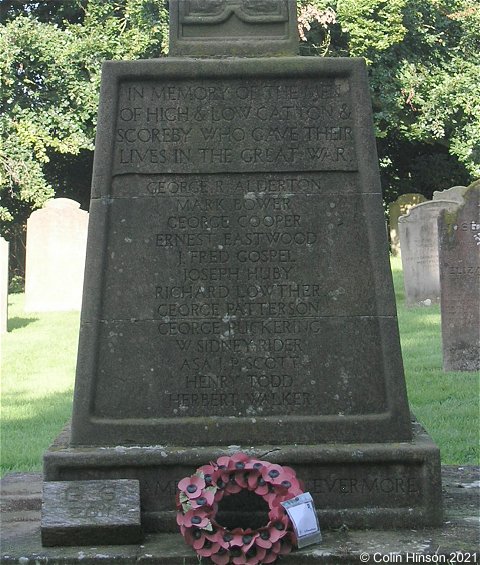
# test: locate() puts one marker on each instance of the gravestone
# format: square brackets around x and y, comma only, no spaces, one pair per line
[238,292]
[419,243]
[3,285]
[459,258]
[91,512]
[396,209]
[56,246]
[454,194]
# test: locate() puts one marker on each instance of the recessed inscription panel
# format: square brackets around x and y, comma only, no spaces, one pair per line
[235,125]
[242,293]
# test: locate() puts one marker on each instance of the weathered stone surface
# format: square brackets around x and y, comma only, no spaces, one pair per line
[220,305]
[419,243]
[459,532]
[3,285]
[380,485]
[396,209]
[459,258]
[455,194]
[90,512]
[238,28]
[56,246]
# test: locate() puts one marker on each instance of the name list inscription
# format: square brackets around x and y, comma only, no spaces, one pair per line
[240,297]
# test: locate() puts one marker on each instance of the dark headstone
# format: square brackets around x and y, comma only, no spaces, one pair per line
[459,251]
[238,290]
[91,512]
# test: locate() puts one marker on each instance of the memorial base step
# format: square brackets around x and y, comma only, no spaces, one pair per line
[375,485]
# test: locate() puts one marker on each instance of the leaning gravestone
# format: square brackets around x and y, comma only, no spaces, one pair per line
[238,293]
[419,244]
[459,257]
[396,209]
[454,194]
[3,285]
[56,246]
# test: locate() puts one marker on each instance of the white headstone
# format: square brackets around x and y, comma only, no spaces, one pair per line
[454,194]
[419,242]
[399,208]
[56,246]
[3,285]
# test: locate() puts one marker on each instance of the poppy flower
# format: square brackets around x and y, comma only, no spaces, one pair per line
[225,463]
[208,472]
[254,464]
[232,486]
[193,518]
[192,486]
[195,538]
[239,460]
[255,555]
[228,539]
[206,499]
[208,549]
[248,538]
[262,487]
[222,557]
[275,474]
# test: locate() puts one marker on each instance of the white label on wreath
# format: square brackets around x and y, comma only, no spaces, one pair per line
[301,512]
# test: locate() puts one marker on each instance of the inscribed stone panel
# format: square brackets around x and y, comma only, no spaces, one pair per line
[226,217]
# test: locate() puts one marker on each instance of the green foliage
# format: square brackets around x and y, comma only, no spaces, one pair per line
[16,285]
[49,78]
[424,64]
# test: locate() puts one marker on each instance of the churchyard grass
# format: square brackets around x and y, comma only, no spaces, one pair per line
[447,404]
[38,365]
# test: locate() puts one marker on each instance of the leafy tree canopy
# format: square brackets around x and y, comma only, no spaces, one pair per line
[49,78]
[424,63]
[423,58]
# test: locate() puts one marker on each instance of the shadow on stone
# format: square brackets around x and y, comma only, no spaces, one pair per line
[17,323]
[243,510]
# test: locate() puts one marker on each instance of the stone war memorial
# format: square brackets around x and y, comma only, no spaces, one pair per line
[419,243]
[396,209]
[459,259]
[55,259]
[238,293]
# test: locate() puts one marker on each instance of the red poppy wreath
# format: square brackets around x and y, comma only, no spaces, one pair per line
[197,505]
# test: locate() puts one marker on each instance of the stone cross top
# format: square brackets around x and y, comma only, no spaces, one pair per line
[235,28]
